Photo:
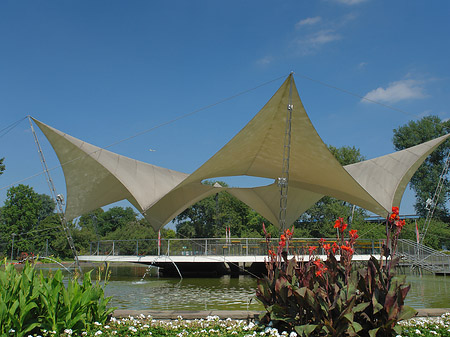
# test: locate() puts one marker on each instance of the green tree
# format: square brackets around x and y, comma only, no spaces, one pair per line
[20,215]
[103,222]
[426,178]
[210,216]
[2,166]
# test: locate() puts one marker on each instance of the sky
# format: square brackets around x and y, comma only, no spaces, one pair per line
[193,73]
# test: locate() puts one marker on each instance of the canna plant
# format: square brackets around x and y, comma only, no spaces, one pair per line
[330,298]
[31,302]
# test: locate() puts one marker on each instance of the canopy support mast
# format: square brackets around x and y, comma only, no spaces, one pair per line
[283,181]
[59,200]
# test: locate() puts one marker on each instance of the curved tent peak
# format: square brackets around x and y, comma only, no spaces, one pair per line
[386,177]
[257,150]
[96,177]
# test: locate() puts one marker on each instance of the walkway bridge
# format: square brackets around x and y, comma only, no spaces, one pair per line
[219,256]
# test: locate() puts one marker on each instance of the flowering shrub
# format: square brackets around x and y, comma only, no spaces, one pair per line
[318,298]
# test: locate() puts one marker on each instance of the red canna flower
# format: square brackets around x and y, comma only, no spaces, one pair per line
[400,223]
[347,249]
[395,210]
[282,243]
[353,234]
[338,223]
[312,249]
[327,247]
[321,241]
[283,237]
[335,247]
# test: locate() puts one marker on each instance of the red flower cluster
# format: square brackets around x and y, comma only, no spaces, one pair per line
[394,218]
[285,236]
[347,248]
[340,224]
[320,267]
[353,234]
[312,249]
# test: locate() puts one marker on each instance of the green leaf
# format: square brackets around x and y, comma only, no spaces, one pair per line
[406,312]
[360,307]
[305,330]
[373,332]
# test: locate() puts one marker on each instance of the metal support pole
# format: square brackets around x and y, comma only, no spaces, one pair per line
[137,247]
[113,250]
[168,247]
[58,198]
[12,247]
[246,245]
[46,247]
[206,247]
[283,181]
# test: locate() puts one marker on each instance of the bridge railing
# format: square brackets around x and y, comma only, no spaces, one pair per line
[216,246]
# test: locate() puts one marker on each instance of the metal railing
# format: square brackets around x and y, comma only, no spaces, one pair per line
[215,246]
[421,256]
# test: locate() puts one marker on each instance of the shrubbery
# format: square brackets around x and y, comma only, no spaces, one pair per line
[31,302]
[318,298]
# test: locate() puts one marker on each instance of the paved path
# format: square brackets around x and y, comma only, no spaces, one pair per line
[233,314]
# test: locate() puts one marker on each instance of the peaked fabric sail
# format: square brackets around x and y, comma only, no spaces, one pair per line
[257,150]
[96,177]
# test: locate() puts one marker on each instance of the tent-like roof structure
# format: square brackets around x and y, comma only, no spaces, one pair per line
[96,177]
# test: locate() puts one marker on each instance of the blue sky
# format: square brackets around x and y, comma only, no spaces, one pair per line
[103,71]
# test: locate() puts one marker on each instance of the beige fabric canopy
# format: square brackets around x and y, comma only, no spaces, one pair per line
[96,177]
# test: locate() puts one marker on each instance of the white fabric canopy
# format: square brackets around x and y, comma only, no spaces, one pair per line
[96,177]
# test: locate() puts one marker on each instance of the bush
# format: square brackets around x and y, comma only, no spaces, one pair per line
[31,302]
[318,298]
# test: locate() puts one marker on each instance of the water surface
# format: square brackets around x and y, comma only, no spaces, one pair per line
[129,291]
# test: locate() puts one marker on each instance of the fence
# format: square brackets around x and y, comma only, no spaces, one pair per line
[215,246]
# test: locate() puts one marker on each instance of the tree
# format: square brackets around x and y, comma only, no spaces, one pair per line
[20,215]
[103,222]
[210,216]
[425,180]
[2,166]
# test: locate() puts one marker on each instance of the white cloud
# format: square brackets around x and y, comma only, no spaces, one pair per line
[362,65]
[308,22]
[264,61]
[397,91]
[313,42]
[323,36]
[351,2]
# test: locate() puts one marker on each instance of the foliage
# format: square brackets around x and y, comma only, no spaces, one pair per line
[102,222]
[318,298]
[23,211]
[425,179]
[346,155]
[210,216]
[2,166]
[31,302]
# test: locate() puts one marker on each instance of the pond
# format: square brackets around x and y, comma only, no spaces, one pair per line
[129,291]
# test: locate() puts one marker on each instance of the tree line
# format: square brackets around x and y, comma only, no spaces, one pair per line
[28,222]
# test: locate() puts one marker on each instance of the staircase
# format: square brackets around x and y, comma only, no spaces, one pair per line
[420,256]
